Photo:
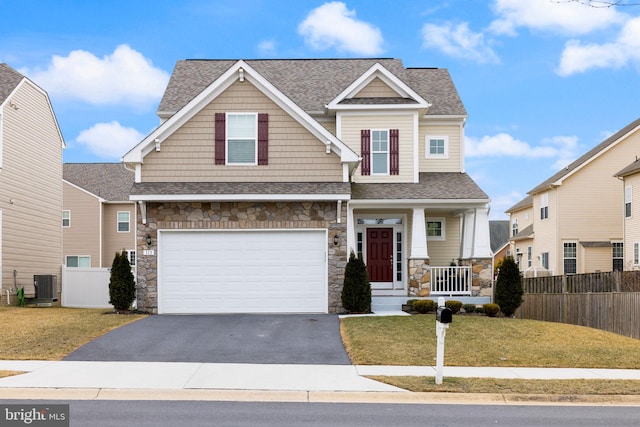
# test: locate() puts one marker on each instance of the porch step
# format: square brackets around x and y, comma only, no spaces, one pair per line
[394,303]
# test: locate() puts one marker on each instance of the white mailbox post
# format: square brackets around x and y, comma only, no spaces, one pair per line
[443,318]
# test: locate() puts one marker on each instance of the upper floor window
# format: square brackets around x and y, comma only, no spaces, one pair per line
[437,147]
[380,151]
[241,138]
[544,206]
[436,229]
[66,218]
[514,227]
[570,253]
[627,201]
[123,221]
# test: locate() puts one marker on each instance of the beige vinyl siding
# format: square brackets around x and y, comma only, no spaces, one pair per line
[631,225]
[524,218]
[31,176]
[114,241]
[82,238]
[294,154]
[352,124]
[442,252]
[377,89]
[546,232]
[596,259]
[453,162]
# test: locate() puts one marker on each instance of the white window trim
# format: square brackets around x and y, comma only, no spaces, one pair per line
[66,260]
[564,257]
[628,198]
[388,152]
[515,227]
[255,139]
[118,222]
[135,257]
[636,253]
[443,225]
[427,147]
[63,218]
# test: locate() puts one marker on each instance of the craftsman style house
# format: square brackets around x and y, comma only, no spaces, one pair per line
[264,175]
[30,186]
[573,222]
[98,219]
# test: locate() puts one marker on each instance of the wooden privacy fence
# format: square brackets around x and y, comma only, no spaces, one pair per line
[606,301]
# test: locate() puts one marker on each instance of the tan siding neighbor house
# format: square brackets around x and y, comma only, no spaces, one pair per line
[264,175]
[30,185]
[577,223]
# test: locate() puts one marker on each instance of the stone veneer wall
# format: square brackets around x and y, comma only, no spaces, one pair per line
[240,215]
[481,277]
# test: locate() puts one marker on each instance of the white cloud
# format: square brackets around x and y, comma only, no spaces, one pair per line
[578,57]
[109,140]
[123,77]
[563,148]
[333,25]
[502,202]
[556,16]
[458,41]
[267,47]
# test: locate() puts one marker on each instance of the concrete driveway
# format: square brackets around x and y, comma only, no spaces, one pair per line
[222,338]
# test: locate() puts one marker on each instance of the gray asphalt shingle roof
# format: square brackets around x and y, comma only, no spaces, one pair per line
[312,83]
[239,188]
[498,233]
[431,186]
[9,79]
[524,203]
[110,181]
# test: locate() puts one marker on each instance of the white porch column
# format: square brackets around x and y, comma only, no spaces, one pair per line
[351,231]
[418,235]
[476,241]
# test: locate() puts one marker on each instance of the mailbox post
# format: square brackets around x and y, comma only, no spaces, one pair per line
[444,316]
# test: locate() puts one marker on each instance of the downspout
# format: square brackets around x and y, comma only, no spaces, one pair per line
[101,220]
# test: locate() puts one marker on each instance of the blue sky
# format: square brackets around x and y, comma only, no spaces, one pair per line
[543,81]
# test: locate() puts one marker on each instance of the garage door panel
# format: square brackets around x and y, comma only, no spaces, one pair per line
[240,271]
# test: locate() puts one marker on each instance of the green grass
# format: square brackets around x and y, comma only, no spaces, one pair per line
[485,341]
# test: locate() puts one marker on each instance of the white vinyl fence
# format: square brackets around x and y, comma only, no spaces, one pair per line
[85,287]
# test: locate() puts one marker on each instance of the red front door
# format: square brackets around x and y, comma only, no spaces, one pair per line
[380,254]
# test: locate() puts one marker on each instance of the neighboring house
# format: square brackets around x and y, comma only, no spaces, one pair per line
[499,237]
[98,219]
[630,177]
[265,174]
[30,185]
[577,223]
[521,233]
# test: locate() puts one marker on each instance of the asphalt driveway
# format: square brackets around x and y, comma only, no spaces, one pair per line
[222,338]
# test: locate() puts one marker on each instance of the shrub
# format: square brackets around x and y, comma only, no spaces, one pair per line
[122,285]
[469,308]
[480,309]
[491,310]
[453,305]
[356,290]
[508,290]
[424,306]
[410,302]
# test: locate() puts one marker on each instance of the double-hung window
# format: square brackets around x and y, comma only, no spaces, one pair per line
[124,221]
[77,261]
[514,227]
[627,201]
[436,229]
[570,252]
[617,253]
[636,253]
[380,152]
[544,260]
[66,218]
[544,206]
[242,138]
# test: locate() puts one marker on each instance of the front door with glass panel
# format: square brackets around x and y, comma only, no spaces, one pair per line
[380,243]
[380,254]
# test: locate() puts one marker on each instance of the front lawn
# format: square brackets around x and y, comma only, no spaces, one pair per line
[485,341]
[50,333]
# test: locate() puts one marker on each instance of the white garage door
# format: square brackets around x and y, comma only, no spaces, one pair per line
[242,271]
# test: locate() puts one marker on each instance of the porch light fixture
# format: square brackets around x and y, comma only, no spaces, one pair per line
[336,240]
[148,239]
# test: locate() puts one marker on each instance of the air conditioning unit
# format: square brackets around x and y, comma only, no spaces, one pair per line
[46,286]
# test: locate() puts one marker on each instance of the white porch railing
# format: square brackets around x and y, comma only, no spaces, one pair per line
[451,280]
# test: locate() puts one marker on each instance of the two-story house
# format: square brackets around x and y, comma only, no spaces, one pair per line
[630,177]
[265,174]
[578,226]
[30,185]
[98,219]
